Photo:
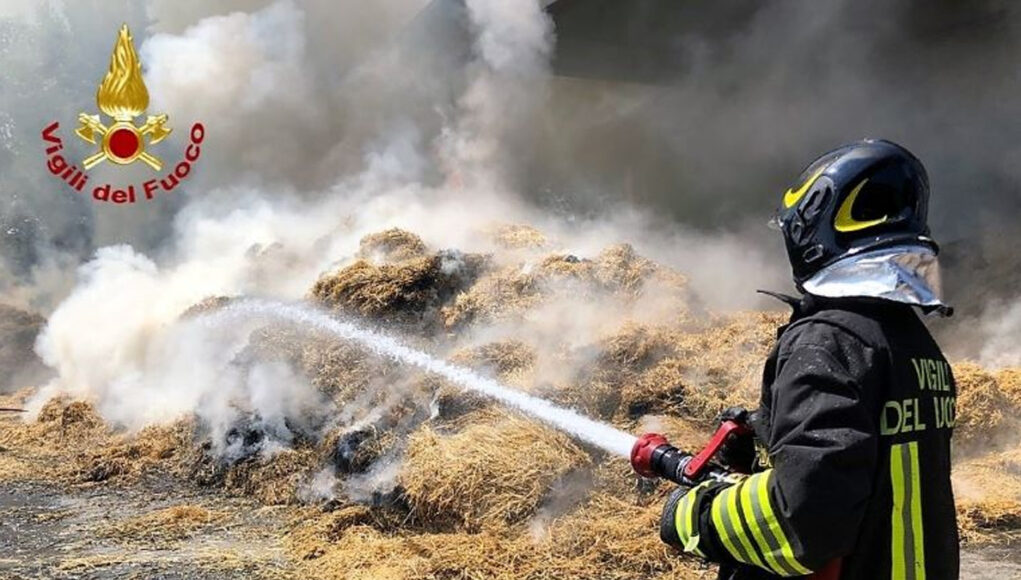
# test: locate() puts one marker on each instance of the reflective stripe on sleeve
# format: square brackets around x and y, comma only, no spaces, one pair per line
[768,543]
[766,529]
[907,549]
[725,522]
[685,521]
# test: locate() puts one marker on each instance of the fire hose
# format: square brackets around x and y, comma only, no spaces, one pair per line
[654,456]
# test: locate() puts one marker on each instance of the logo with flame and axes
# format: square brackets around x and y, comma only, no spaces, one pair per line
[122,95]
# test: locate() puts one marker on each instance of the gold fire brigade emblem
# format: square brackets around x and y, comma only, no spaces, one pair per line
[122,96]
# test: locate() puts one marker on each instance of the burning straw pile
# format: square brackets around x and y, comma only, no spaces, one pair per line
[406,476]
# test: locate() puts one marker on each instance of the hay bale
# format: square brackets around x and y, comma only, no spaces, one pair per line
[43,449]
[503,357]
[666,388]
[131,456]
[496,295]
[634,347]
[610,369]
[510,360]
[79,415]
[70,419]
[720,364]
[343,370]
[984,410]
[617,272]
[485,475]
[455,405]
[518,236]
[695,372]
[355,450]
[590,396]
[1009,381]
[393,245]
[272,480]
[207,305]
[70,443]
[987,489]
[408,292]
[566,268]
[19,364]
[619,267]
[279,342]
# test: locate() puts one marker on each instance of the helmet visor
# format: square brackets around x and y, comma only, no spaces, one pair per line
[908,274]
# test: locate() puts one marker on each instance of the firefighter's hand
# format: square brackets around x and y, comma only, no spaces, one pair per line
[738,452]
[678,525]
[668,531]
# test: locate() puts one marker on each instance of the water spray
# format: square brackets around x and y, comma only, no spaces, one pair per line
[569,421]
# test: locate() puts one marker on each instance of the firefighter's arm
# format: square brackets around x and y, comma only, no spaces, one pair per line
[795,517]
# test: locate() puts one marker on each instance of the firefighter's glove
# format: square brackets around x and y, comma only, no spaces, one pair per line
[738,452]
[679,524]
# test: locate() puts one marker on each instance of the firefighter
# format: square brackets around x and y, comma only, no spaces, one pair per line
[852,478]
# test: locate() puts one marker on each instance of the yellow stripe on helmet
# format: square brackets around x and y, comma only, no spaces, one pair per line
[791,197]
[845,222]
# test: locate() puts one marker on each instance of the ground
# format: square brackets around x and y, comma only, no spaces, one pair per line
[52,531]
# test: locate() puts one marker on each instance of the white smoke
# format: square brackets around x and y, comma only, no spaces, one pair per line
[226,68]
[513,44]
[115,339]
[1001,325]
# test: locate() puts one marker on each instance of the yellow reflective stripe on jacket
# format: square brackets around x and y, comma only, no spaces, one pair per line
[740,524]
[768,544]
[916,511]
[685,521]
[769,522]
[723,521]
[907,547]
[747,525]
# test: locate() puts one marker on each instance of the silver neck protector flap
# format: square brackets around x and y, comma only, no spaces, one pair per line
[908,274]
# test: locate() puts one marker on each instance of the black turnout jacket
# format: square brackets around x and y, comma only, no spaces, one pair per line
[857,411]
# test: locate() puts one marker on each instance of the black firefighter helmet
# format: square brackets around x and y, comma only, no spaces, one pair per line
[863,196]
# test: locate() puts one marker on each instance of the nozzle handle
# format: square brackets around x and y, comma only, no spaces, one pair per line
[693,469]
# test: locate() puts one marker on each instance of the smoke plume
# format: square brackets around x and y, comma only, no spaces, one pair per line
[331,120]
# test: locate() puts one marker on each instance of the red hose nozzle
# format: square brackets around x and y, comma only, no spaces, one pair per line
[641,453]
